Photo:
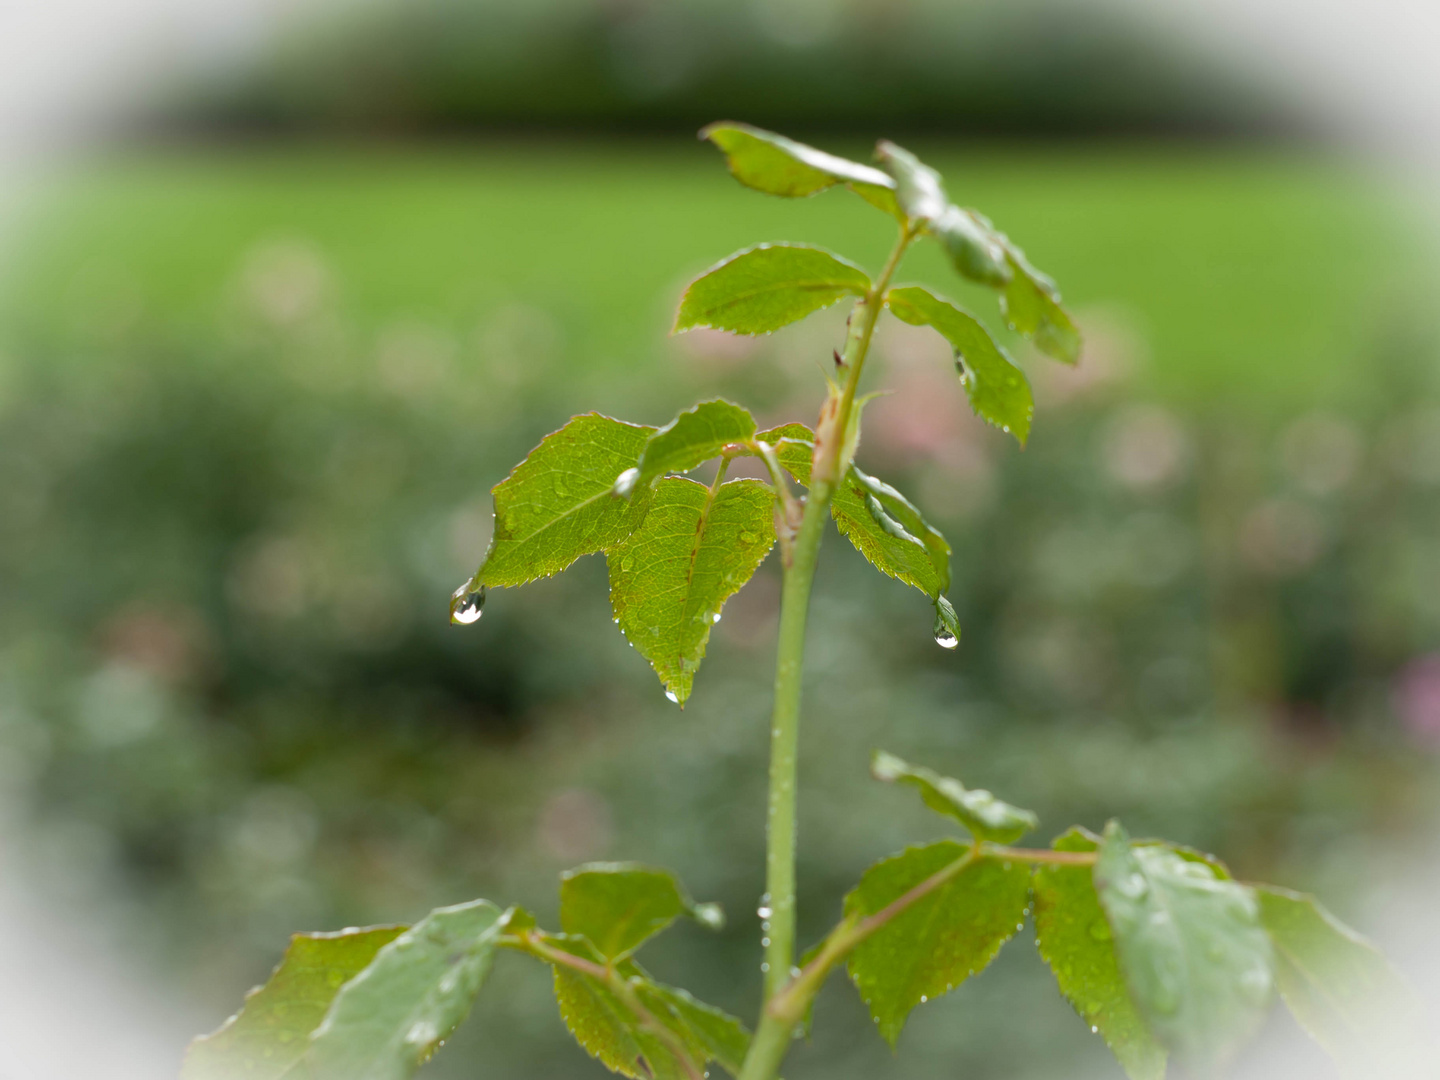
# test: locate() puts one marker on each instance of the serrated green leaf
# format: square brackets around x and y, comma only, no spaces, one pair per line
[271,1032]
[761,289]
[388,1020]
[776,165]
[1338,985]
[670,579]
[998,390]
[908,516]
[618,906]
[1031,303]
[694,437]
[1074,938]
[1195,958]
[558,503]
[615,1035]
[985,816]
[940,940]
[721,1037]
[886,543]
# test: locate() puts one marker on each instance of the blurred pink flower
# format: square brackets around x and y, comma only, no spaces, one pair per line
[1417,697]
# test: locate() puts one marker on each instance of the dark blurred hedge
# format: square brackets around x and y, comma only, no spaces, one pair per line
[982,66]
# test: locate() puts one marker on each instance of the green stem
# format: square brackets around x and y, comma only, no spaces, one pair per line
[772,1038]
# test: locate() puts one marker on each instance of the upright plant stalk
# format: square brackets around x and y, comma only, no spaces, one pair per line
[772,1036]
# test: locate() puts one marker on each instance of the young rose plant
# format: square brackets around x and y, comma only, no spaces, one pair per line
[1158,948]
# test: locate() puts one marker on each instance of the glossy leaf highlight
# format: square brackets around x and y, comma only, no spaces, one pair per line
[766,287]
[985,816]
[271,1032]
[1075,940]
[1195,958]
[671,577]
[694,437]
[387,1021]
[776,165]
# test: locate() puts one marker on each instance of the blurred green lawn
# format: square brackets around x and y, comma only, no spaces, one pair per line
[1253,275]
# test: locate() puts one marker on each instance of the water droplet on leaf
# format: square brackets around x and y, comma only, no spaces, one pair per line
[467,606]
[625,483]
[945,639]
[671,697]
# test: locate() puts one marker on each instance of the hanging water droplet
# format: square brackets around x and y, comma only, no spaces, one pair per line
[946,638]
[466,606]
[715,618]
[625,483]
[671,697]
[764,910]
[923,999]
[1094,1030]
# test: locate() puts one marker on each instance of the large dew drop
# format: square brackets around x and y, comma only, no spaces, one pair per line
[671,697]
[466,606]
[945,638]
[625,483]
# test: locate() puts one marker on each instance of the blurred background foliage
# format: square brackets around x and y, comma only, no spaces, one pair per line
[253,396]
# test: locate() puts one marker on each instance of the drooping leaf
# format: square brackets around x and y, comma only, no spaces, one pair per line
[1031,303]
[558,503]
[974,250]
[761,289]
[723,1038]
[1339,987]
[387,1021]
[918,188]
[695,550]
[998,390]
[940,940]
[1195,958]
[694,437]
[1074,938]
[617,906]
[886,543]
[606,1026]
[901,510]
[271,1033]
[776,165]
[985,816]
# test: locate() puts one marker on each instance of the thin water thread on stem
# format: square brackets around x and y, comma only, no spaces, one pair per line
[772,1036]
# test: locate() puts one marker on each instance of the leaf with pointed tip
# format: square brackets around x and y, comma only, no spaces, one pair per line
[671,577]
[1339,987]
[618,906]
[1031,303]
[1195,958]
[694,437]
[608,1029]
[940,940]
[388,1020]
[998,390]
[761,289]
[558,504]
[1074,938]
[776,165]
[985,816]
[271,1032]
